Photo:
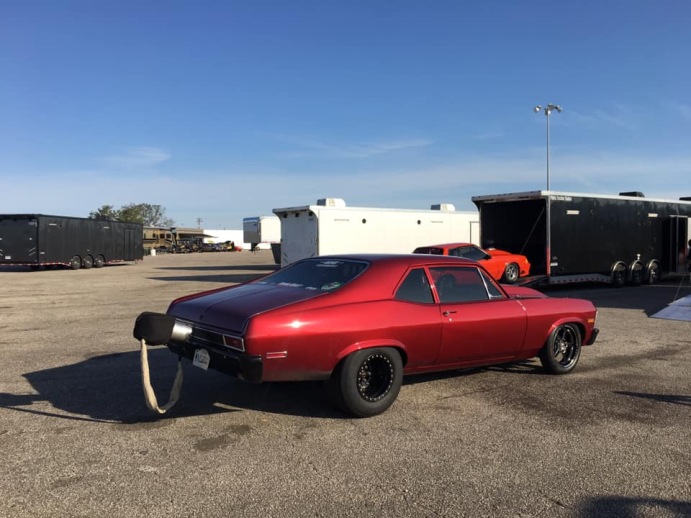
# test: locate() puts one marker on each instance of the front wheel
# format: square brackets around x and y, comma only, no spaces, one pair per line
[562,350]
[367,382]
[511,273]
[99,261]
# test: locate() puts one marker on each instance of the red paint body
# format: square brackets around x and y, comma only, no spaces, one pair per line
[302,334]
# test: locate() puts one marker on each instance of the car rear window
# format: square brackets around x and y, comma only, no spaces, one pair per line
[316,274]
[429,250]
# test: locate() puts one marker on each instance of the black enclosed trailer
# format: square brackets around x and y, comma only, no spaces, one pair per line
[37,240]
[571,237]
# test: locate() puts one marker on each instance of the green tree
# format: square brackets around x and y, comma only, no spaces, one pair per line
[145,213]
[105,212]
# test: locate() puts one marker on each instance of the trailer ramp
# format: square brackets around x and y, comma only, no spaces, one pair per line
[680,309]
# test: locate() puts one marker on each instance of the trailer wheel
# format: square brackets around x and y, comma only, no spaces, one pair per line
[99,261]
[637,273]
[511,273]
[619,275]
[652,274]
[75,262]
[87,262]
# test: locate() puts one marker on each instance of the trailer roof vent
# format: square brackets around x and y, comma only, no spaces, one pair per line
[331,202]
[444,207]
[635,194]
[685,198]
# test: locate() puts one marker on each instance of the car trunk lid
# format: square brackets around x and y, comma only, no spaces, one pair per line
[229,309]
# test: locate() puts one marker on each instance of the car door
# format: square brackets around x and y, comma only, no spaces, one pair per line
[479,322]
[419,322]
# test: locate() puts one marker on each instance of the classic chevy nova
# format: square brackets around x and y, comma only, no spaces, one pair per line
[360,322]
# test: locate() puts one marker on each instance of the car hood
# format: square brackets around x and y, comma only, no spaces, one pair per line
[231,308]
[497,253]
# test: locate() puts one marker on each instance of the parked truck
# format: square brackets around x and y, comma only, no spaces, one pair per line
[571,237]
[330,227]
[38,240]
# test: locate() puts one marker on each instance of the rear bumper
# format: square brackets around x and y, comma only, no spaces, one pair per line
[183,338]
[237,364]
[593,336]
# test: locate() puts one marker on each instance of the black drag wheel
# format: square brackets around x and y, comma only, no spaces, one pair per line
[99,261]
[87,262]
[367,382]
[75,262]
[652,275]
[562,350]
[511,273]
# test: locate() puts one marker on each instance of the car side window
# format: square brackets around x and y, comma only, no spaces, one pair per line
[459,284]
[415,288]
[494,292]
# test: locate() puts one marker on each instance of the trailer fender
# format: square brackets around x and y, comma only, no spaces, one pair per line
[618,274]
[636,273]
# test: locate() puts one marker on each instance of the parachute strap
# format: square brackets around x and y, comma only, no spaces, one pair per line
[149,394]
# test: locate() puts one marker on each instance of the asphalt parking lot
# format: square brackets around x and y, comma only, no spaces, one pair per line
[611,439]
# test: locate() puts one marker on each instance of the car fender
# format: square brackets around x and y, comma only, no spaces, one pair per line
[582,325]
[370,344]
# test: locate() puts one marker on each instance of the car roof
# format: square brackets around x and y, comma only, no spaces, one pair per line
[399,259]
[447,245]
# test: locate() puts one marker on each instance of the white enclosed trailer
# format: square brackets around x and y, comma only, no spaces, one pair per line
[261,231]
[330,227]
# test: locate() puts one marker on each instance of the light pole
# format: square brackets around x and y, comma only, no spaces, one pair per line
[548,205]
[548,111]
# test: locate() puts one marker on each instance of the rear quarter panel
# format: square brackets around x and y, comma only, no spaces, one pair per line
[316,339]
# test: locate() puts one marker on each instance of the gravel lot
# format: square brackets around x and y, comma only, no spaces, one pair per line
[611,439]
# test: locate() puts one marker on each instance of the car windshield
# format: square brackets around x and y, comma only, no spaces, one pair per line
[469,252]
[317,274]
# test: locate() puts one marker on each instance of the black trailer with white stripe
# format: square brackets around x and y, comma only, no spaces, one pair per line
[571,237]
[37,240]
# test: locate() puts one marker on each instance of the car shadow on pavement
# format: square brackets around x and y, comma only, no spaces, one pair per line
[627,507]
[108,389]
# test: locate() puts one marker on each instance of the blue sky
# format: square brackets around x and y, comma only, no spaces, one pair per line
[221,110]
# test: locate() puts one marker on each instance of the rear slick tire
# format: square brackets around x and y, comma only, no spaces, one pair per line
[367,382]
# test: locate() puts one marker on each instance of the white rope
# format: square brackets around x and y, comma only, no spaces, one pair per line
[149,394]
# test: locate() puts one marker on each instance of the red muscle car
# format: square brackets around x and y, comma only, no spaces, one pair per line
[360,322]
[503,266]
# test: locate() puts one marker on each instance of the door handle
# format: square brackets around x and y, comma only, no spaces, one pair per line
[447,313]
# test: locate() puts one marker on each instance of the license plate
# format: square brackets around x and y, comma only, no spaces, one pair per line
[201,359]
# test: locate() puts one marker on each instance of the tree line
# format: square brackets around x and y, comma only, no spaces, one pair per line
[145,213]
